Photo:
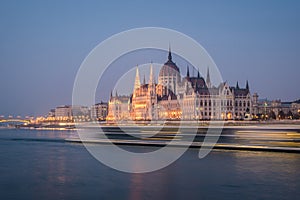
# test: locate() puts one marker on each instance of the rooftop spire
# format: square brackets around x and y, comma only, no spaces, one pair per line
[237,85]
[208,83]
[137,82]
[247,85]
[187,71]
[198,75]
[193,71]
[151,78]
[170,54]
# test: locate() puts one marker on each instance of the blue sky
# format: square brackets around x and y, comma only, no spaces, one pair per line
[44,42]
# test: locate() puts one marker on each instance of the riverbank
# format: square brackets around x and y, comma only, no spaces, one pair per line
[231,123]
[275,138]
[271,136]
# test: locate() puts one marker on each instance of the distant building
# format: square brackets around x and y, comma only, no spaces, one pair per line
[82,111]
[255,103]
[51,113]
[99,111]
[63,111]
[68,112]
[276,109]
[295,107]
[188,98]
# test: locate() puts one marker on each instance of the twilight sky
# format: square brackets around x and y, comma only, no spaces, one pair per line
[43,43]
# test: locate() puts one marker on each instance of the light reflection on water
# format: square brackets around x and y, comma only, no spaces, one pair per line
[56,170]
[266,168]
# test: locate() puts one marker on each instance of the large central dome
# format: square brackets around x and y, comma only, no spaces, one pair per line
[169,68]
[169,76]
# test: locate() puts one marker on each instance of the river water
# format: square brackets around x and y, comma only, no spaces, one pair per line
[39,164]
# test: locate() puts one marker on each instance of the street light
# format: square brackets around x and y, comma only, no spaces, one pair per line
[265,105]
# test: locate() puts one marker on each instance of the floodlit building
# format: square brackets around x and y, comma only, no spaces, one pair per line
[118,108]
[187,98]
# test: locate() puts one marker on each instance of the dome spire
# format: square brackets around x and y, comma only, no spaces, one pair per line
[170,54]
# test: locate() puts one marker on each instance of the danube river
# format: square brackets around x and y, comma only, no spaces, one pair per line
[41,164]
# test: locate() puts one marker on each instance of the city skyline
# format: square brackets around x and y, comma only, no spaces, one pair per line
[173,96]
[42,45]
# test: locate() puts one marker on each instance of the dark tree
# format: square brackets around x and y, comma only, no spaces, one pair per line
[272,115]
[290,115]
[247,110]
[281,115]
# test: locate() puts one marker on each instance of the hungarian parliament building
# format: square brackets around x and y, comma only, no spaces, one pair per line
[177,98]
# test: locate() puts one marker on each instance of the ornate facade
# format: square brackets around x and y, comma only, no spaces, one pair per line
[187,98]
[118,108]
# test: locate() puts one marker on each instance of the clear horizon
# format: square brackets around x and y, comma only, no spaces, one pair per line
[44,43]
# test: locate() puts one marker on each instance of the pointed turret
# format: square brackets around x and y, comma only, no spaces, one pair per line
[137,82]
[208,83]
[144,80]
[152,94]
[151,78]
[247,85]
[111,95]
[151,86]
[193,71]
[187,71]
[237,85]
[198,75]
